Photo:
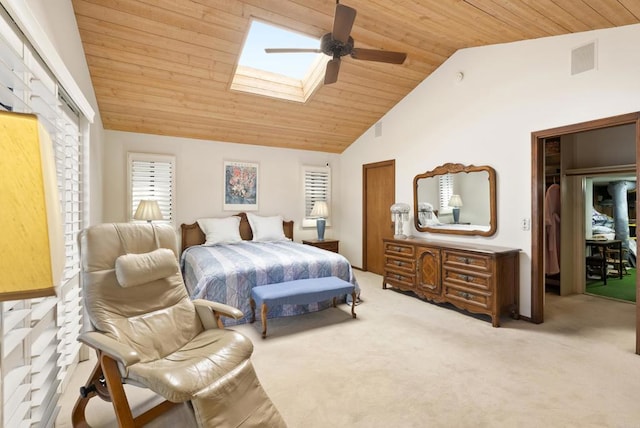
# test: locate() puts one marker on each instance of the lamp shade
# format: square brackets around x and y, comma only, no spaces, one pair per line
[148,210]
[425,206]
[32,253]
[455,201]
[320,209]
[400,208]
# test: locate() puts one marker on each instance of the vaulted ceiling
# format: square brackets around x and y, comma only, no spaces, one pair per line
[165,66]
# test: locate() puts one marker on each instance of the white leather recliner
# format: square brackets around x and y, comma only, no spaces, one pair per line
[148,332]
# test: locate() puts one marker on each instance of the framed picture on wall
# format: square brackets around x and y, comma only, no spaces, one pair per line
[240,186]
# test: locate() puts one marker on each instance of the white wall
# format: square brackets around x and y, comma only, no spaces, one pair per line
[199,177]
[619,144]
[508,91]
[58,21]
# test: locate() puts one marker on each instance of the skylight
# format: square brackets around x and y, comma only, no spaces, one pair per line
[290,76]
[262,36]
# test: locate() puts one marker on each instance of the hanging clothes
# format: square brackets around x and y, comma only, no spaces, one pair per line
[552,230]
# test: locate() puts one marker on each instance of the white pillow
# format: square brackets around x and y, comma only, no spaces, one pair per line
[266,228]
[221,230]
[137,269]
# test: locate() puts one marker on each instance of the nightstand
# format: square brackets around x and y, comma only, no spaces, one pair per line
[327,244]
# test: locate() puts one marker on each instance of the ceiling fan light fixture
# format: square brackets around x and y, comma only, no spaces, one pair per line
[339,43]
[335,48]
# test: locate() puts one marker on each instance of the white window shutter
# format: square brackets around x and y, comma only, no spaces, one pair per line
[152,177]
[445,192]
[317,187]
[42,332]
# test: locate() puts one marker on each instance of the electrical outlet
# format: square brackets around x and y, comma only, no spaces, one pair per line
[525,224]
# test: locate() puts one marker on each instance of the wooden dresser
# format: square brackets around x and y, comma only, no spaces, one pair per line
[478,278]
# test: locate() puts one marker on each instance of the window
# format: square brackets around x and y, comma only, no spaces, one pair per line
[317,187]
[152,177]
[69,153]
[288,76]
[27,85]
[445,188]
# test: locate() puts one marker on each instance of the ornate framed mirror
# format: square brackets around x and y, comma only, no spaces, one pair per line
[456,199]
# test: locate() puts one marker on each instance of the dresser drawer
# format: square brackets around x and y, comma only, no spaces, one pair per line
[467,296]
[462,260]
[403,250]
[396,263]
[470,279]
[404,280]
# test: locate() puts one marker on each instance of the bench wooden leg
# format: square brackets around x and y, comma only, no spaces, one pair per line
[353,304]
[334,301]
[264,320]
[253,310]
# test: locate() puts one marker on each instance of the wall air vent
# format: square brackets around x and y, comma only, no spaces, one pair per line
[378,129]
[583,58]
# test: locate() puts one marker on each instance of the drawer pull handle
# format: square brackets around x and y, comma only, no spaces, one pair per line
[466,278]
[399,263]
[466,260]
[464,295]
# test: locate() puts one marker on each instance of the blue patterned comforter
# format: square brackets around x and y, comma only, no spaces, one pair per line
[226,273]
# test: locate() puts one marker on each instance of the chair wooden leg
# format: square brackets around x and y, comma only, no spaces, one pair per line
[252,303]
[116,389]
[78,419]
[93,387]
[153,413]
[105,382]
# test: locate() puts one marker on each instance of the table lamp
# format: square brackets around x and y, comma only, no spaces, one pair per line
[321,211]
[148,210]
[456,202]
[32,253]
[399,214]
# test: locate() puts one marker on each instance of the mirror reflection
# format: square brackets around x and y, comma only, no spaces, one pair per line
[454,198]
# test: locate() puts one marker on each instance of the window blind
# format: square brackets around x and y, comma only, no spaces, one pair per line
[317,187]
[445,187]
[43,339]
[152,177]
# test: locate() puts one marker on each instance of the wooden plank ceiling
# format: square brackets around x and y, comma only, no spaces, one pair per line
[165,66]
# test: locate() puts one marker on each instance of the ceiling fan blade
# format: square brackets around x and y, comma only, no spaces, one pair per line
[292,50]
[378,55]
[331,73]
[343,22]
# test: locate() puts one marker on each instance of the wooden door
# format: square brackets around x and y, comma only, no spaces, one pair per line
[428,270]
[379,193]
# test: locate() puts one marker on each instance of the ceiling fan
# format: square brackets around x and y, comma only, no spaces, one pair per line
[339,43]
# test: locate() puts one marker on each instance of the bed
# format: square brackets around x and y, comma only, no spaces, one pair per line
[227,272]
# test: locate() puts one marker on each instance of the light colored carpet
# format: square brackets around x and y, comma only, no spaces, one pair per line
[408,363]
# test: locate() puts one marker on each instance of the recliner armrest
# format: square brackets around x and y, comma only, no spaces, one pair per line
[123,354]
[209,312]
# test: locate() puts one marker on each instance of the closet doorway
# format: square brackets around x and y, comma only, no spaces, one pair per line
[572,188]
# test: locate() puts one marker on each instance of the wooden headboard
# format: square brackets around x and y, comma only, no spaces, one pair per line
[193,235]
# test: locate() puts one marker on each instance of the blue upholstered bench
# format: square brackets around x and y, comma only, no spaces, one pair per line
[299,292]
